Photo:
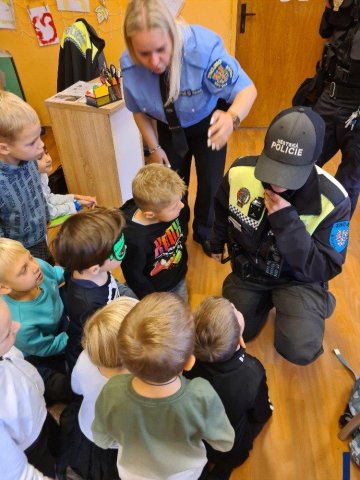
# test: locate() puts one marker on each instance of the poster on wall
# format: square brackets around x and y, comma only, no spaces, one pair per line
[101,12]
[44,25]
[73,5]
[7,17]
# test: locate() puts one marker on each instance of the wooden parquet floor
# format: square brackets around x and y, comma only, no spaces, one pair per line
[300,441]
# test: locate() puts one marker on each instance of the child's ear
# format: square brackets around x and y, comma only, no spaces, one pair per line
[189,363]
[4,148]
[241,342]
[94,270]
[149,214]
[4,290]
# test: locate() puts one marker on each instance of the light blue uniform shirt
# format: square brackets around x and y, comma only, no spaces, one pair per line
[40,318]
[208,73]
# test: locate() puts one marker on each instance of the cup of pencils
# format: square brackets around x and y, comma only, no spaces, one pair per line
[112,78]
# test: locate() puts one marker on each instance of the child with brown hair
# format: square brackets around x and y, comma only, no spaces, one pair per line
[237,377]
[23,210]
[156,231]
[89,246]
[98,362]
[158,418]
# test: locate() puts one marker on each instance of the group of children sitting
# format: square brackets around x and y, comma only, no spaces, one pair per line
[152,390]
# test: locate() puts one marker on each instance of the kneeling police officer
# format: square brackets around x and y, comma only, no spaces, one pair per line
[286,224]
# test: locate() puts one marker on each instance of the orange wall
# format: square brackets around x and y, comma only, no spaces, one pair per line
[37,66]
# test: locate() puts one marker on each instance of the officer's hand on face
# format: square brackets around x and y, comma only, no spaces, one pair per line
[274,202]
[221,127]
[159,156]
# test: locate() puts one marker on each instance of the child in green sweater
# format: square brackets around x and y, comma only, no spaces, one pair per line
[159,418]
[31,290]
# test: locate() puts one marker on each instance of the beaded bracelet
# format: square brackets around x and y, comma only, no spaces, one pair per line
[155,149]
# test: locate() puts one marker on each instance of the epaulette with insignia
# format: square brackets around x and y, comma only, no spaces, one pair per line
[331,188]
[220,73]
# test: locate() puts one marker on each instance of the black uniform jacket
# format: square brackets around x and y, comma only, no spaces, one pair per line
[80,53]
[310,235]
[240,382]
[83,299]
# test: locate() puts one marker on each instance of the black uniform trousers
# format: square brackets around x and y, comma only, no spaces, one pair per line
[209,170]
[301,310]
[42,453]
[335,112]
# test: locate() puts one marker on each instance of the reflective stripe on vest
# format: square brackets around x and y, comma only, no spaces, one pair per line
[242,177]
[78,34]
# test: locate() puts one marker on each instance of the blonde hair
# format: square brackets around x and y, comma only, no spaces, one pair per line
[15,114]
[142,15]
[9,254]
[157,337]
[101,331]
[156,186]
[217,330]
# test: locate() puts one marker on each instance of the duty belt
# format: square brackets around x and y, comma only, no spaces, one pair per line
[341,91]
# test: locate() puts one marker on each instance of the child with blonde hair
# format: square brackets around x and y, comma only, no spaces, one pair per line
[28,433]
[237,377]
[98,362]
[23,210]
[159,418]
[156,232]
[30,288]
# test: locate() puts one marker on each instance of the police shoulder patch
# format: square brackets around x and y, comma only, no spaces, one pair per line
[220,73]
[339,236]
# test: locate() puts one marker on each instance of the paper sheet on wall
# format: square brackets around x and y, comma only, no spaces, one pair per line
[44,25]
[101,12]
[73,5]
[7,17]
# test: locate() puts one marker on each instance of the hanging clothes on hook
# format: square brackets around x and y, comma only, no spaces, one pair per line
[81,54]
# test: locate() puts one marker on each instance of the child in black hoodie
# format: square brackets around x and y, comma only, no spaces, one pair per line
[238,378]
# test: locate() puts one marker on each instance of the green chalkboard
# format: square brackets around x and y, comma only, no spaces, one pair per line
[9,78]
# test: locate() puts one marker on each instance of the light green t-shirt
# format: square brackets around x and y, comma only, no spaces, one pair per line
[161,438]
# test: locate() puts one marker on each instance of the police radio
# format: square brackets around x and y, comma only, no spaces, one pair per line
[274,262]
[256,208]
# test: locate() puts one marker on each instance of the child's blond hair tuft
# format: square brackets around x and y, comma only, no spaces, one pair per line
[217,330]
[101,332]
[157,337]
[15,114]
[155,187]
[9,254]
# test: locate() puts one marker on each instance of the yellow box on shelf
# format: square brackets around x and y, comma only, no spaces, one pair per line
[101,91]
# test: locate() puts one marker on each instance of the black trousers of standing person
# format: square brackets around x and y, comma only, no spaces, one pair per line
[209,166]
[42,453]
[335,112]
